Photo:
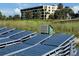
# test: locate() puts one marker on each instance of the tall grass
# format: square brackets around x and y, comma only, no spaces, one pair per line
[33,25]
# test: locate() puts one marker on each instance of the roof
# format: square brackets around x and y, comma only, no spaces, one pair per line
[32,8]
[15,37]
[40,49]
[57,39]
[10,33]
[37,7]
[36,45]
[12,48]
[36,39]
[36,51]
[3,30]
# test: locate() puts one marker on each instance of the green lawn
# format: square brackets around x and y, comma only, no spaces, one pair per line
[33,25]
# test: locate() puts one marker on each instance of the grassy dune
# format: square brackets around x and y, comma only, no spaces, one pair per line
[33,25]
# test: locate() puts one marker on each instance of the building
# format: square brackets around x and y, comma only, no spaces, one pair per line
[39,12]
[26,43]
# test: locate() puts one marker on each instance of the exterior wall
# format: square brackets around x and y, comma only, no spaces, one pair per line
[49,10]
[41,13]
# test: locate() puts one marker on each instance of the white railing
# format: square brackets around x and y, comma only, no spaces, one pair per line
[66,48]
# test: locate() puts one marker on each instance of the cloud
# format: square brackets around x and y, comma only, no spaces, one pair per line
[75,9]
[17,11]
[7,12]
[11,12]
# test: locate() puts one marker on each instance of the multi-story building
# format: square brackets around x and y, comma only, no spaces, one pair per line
[41,12]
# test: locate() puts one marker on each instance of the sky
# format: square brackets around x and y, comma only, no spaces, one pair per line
[14,8]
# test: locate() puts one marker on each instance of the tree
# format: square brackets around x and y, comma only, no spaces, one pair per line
[51,16]
[9,18]
[16,17]
[62,14]
[4,17]
[76,15]
[0,15]
[60,6]
[69,11]
[58,14]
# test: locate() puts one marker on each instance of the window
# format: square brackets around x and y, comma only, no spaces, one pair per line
[45,15]
[49,10]
[42,9]
[49,7]
[52,7]
[42,15]
[45,9]
[42,12]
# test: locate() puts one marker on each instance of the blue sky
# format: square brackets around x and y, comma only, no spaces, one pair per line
[14,8]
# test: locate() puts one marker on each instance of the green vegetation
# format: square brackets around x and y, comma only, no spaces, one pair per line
[71,27]
[3,17]
[62,13]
